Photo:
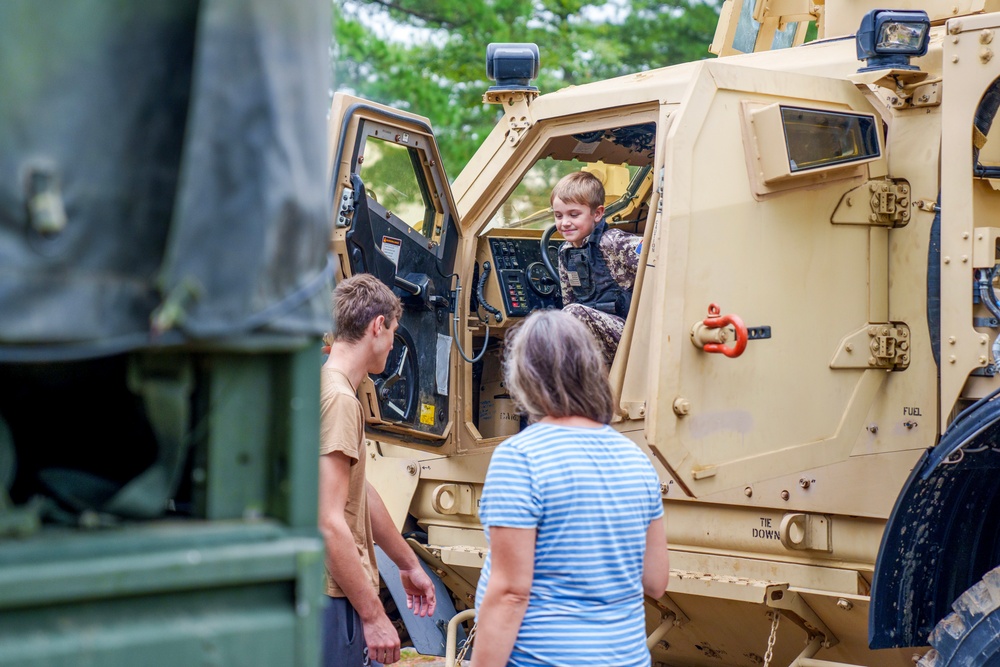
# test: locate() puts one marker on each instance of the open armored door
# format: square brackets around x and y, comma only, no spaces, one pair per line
[395,218]
[758,171]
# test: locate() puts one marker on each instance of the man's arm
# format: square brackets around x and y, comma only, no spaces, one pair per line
[512,569]
[420,595]
[342,558]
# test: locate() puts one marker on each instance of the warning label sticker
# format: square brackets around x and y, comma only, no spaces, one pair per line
[427,414]
[390,248]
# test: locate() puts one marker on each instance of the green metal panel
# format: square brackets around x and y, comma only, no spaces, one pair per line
[181,594]
[245,627]
[237,582]
[240,413]
[263,433]
[297,425]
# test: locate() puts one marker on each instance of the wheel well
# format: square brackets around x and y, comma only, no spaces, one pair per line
[941,537]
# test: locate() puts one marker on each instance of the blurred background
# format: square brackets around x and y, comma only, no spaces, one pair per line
[428,56]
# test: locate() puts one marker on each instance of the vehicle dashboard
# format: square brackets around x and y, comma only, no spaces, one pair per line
[510,280]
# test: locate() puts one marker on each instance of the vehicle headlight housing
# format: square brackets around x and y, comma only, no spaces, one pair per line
[512,65]
[887,39]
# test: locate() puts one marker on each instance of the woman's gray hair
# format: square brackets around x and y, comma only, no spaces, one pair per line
[553,367]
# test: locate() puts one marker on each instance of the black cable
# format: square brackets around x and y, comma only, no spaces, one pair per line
[495,312]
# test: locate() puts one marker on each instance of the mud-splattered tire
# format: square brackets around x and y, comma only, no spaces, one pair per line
[970,635]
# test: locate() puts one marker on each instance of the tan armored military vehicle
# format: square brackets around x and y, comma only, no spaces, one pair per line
[811,355]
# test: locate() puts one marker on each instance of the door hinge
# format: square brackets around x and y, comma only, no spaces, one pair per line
[882,202]
[346,209]
[885,345]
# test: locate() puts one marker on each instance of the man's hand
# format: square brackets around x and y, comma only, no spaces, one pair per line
[420,597]
[381,638]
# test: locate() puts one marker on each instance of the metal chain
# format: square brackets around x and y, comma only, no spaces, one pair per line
[468,643]
[775,617]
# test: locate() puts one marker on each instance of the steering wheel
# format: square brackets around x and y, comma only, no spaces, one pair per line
[546,260]
[397,386]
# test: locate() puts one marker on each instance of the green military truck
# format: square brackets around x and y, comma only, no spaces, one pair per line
[811,356]
[164,283]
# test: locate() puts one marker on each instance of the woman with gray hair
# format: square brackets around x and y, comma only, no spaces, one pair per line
[572,512]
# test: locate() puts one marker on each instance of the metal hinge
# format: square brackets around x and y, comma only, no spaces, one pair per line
[882,202]
[346,207]
[885,345]
[890,345]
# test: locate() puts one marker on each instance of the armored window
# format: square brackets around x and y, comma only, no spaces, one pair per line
[394,169]
[791,142]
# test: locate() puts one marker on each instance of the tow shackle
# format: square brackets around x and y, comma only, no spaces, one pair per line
[712,333]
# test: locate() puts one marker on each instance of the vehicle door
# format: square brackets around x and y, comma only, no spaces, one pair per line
[394,217]
[770,243]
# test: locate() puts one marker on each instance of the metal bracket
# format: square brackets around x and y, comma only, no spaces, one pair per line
[780,596]
[928,95]
[809,532]
[901,89]
[668,608]
[885,345]
[516,110]
[882,202]
[346,207]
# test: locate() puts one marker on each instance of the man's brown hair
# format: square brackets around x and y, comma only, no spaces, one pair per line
[553,367]
[580,187]
[357,301]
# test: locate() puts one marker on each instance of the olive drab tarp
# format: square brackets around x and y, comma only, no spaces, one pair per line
[162,174]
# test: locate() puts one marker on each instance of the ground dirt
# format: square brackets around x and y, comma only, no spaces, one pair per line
[410,658]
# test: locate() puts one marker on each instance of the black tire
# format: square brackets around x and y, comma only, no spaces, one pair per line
[970,635]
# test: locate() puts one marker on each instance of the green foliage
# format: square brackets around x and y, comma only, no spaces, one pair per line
[428,56]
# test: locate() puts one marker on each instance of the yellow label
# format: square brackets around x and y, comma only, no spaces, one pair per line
[427,414]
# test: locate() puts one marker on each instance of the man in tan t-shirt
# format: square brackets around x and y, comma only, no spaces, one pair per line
[351,514]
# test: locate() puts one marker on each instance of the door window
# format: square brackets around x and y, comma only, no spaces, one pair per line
[394,169]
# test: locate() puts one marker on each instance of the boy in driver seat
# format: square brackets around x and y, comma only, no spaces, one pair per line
[597,265]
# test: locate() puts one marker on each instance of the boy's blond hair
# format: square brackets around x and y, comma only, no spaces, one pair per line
[357,301]
[580,187]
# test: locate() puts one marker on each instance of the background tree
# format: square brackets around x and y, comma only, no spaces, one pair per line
[428,56]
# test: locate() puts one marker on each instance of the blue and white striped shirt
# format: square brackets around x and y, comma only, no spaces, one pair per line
[591,494]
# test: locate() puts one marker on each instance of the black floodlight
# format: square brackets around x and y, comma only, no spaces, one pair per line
[512,65]
[887,39]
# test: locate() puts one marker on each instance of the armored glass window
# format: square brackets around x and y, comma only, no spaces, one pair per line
[395,178]
[822,138]
[794,143]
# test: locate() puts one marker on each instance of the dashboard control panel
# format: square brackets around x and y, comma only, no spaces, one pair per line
[524,281]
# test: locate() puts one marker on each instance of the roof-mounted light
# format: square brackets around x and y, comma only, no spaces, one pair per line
[512,66]
[887,39]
